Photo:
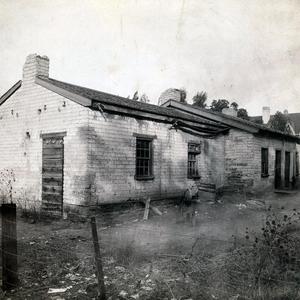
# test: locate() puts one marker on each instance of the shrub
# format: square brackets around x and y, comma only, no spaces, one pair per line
[7,179]
[268,263]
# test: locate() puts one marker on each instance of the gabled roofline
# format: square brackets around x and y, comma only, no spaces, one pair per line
[210,116]
[10,92]
[230,121]
[71,96]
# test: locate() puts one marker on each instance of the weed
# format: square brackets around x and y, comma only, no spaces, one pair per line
[268,262]
[128,255]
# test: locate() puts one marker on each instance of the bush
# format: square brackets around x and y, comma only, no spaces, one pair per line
[267,265]
[7,180]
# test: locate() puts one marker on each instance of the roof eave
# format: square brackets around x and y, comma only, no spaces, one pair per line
[91,103]
[280,134]
[10,92]
[114,109]
[209,116]
[63,92]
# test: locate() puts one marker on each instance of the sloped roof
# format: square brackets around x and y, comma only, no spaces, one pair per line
[257,119]
[208,121]
[230,120]
[295,119]
[114,100]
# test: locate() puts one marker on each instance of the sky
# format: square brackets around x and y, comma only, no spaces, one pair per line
[239,50]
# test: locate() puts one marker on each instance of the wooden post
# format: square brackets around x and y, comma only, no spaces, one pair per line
[100,276]
[147,207]
[9,247]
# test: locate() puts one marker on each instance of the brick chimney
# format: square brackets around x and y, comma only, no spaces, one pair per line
[265,114]
[229,111]
[35,65]
[169,94]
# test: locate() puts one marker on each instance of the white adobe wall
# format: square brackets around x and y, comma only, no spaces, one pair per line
[99,158]
[243,161]
[272,144]
[112,159]
[36,110]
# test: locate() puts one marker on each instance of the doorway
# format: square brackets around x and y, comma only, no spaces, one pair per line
[52,173]
[287,169]
[278,169]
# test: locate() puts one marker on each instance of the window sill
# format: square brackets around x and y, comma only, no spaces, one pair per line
[264,175]
[144,178]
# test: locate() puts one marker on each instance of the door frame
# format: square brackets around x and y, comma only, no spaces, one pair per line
[61,135]
[278,174]
[287,169]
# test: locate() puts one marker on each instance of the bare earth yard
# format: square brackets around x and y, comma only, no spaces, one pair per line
[165,257]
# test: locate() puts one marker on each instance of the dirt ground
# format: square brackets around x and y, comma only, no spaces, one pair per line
[165,257]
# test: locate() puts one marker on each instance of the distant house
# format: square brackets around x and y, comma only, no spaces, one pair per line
[69,147]
[293,120]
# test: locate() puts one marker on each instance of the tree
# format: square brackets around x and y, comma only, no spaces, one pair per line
[135,96]
[182,95]
[144,98]
[218,105]
[200,99]
[243,114]
[234,105]
[279,122]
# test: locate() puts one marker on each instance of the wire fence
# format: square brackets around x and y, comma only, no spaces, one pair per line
[142,260]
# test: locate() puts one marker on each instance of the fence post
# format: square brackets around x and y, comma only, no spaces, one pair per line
[9,247]
[100,276]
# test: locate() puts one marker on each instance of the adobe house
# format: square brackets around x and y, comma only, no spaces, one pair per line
[257,158]
[69,147]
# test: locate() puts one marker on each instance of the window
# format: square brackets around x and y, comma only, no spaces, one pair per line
[264,162]
[193,151]
[144,159]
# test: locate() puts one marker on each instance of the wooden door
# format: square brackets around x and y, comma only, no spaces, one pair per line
[287,169]
[52,173]
[278,169]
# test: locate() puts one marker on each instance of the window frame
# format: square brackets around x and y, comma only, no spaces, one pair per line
[194,149]
[150,175]
[264,162]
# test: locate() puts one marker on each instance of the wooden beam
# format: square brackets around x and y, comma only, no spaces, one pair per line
[193,132]
[153,208]
[146,212]
[151,116]
[204,125]
[205,129]
[211,116]
[146,136]
[53,134]
[156,210]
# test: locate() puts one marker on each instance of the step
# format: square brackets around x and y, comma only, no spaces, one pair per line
[283,191]
[206,196]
